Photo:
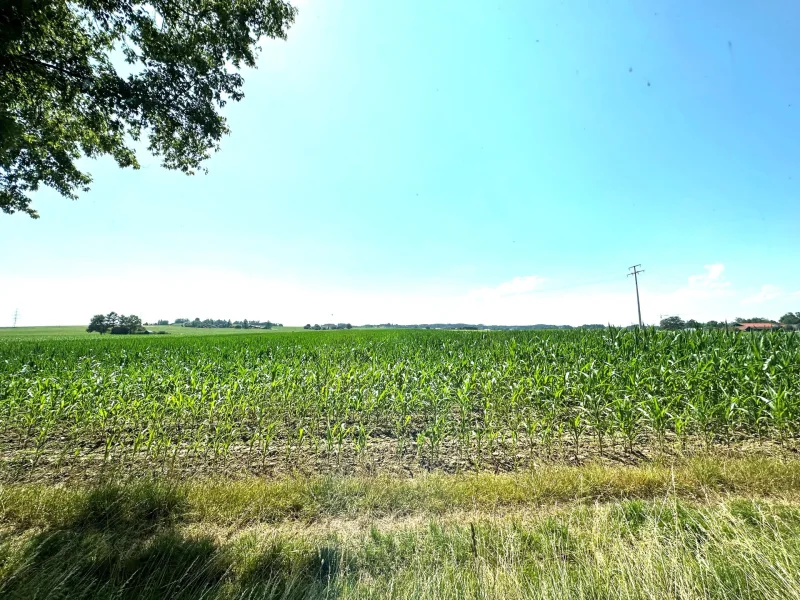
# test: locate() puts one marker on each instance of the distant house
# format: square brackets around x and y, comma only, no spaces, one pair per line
[757,326]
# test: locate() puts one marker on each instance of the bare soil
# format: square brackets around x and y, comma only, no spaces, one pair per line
[382,456]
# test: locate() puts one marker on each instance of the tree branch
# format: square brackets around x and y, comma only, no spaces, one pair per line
[14,58]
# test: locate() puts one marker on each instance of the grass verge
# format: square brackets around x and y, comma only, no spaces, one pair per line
[255,500]
[707,528]
[666,548]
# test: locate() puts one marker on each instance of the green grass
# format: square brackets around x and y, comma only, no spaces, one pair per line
[79,331]
[253,500]
[27,333]
[708,529]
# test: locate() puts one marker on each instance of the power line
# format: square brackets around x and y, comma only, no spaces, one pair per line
[635,274]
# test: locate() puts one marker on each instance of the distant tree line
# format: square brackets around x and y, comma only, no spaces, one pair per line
[474,327]
[226,324]
[116,324]
[317,327]
[674,323]
[122,324]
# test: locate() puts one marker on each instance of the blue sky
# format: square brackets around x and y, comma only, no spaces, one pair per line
[495,162]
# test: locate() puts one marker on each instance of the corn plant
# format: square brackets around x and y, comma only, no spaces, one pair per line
[210,400]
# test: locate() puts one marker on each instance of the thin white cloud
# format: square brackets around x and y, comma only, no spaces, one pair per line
[518,285]
[711,282]
[203,293]
[705,296]
[765,294]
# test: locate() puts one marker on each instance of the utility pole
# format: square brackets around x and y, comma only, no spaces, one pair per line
[16,314]
[635,274]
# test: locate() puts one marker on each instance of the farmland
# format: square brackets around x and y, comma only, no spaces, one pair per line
[413,463]
[79,331]
[379,400]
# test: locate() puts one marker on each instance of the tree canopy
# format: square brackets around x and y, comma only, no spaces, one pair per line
[672,323]
[98,324]
[92,77]
[225,324]
[119,324]
[791,318]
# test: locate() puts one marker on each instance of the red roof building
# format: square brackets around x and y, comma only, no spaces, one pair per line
[757,326]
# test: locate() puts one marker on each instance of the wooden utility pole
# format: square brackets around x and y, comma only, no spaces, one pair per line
[635,274]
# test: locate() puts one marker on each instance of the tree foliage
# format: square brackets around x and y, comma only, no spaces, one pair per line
[116,324]
[225,324]
[98,324]
[791,318]
[91,77]
[672,323]
[327,326]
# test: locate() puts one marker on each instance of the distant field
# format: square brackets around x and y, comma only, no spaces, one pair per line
[79,331]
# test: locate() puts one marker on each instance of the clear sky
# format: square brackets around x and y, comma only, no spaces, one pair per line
[495,162]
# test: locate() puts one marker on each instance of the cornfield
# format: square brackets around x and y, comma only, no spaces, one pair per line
[431,398]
